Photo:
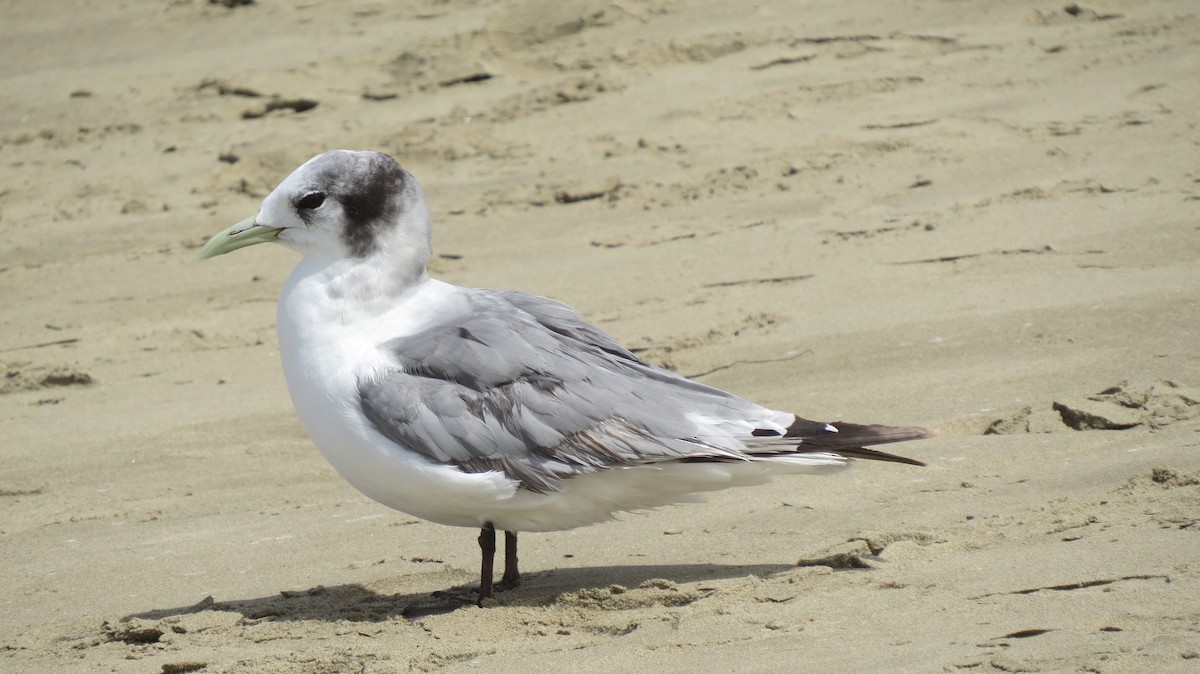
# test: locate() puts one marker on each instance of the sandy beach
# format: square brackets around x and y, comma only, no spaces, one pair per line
[979,217]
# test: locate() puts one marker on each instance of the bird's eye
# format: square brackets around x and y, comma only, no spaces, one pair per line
[311,200]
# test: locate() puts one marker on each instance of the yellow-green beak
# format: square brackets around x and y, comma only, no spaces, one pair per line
[245,233]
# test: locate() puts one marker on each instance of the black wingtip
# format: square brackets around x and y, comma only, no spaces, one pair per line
[875,455]
[850,440]
[877,434]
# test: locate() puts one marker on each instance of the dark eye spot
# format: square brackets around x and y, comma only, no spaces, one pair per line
[311,201]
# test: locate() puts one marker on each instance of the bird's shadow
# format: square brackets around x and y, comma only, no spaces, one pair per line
[356,603]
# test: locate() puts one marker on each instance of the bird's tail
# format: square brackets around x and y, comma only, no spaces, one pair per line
[840,438]
[850,440]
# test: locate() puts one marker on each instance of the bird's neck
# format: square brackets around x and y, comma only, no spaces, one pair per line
[349,290]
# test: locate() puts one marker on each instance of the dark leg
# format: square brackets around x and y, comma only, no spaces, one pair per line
[487,548]
[512,576]
[487,553]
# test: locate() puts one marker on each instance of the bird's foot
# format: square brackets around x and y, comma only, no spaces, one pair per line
[450,600]
[461,595]
[472,595]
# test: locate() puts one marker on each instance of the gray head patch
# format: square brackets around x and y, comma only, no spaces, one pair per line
[371,187]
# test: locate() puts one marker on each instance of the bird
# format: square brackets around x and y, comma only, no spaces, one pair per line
[493,409]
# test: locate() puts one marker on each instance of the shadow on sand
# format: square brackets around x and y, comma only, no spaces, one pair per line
[357,603]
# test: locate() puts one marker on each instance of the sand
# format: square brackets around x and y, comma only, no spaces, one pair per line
[975,216]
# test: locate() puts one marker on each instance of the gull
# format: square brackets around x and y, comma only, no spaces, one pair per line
[493,409]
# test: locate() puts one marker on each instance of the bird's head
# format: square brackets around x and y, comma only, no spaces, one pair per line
[340,204]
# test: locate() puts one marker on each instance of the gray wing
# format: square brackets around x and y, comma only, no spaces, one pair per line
[522,385]
[563,320]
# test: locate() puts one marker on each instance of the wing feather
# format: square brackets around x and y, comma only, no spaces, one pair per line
[522,385]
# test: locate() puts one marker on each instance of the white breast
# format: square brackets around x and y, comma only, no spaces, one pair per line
[325,346]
